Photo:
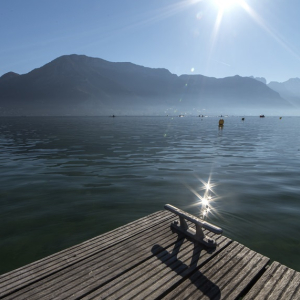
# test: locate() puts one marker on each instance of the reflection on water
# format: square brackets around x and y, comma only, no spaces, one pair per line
[64,180]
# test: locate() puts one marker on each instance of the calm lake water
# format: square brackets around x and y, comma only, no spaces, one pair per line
[67,179]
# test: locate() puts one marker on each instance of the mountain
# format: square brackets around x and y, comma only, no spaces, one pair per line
[289,90]
[232,94]
[81,85]
[261,79]
[8,76]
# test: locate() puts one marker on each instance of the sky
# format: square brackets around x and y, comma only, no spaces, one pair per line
[216,38]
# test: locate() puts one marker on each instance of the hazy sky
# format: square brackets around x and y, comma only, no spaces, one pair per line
[244,37]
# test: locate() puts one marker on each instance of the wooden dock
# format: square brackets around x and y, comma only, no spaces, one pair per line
[148,259]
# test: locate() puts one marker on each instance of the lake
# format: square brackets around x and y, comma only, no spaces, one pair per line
[67,179]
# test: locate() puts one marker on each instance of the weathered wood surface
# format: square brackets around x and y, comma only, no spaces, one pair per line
[277,283]
[227,276]
[43,268]
[146,259]
[161,273]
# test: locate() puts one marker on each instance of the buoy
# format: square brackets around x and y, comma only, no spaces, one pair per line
[221,122]
[280,118]
[243,119]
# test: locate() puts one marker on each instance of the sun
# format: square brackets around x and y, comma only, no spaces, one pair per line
[225,4]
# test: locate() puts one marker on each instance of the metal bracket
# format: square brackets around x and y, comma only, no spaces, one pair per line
[197,234]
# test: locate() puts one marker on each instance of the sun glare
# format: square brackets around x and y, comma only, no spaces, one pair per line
[204,201]
[225,4]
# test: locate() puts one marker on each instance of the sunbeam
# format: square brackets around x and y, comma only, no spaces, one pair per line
[215,34]
[264,26]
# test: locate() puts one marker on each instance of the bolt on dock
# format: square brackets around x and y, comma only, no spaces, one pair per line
[169,254]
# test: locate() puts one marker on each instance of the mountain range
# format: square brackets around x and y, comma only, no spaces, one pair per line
[289,90]
[82,85]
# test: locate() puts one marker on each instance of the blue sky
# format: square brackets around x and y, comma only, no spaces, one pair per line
[244,37]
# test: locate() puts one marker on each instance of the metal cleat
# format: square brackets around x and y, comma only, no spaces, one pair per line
[197,234]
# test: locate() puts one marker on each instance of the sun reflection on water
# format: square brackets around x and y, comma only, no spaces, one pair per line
[206,196]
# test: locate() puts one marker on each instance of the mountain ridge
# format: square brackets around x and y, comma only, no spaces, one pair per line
[81,85]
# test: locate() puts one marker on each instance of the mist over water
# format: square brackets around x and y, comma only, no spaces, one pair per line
[67,179]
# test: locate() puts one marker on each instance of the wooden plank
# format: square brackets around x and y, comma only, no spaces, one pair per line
[146,259]
[278,282]
[77,270]
[94,271]
[43,268]
[226,276]
[162,272]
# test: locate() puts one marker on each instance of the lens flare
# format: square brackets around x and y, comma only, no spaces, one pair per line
[199,15]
